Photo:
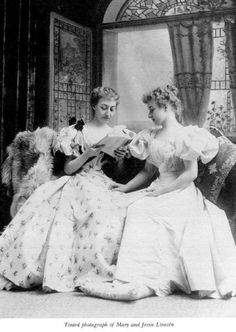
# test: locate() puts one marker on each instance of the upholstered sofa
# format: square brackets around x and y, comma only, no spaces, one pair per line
[31,160]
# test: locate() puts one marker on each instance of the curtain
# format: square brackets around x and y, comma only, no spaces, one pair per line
[17,79]
[230,48]
[192,51]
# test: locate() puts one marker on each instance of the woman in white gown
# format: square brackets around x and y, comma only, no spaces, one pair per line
[173,237]
[69,228]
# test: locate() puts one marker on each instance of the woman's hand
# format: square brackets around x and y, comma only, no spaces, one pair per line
[154,192]
[121,152]
[119,187]
[94,151]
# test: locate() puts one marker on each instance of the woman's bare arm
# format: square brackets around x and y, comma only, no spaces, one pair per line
[72,165]
[142,178]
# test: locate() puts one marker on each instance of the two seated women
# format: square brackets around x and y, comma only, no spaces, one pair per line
[86,232]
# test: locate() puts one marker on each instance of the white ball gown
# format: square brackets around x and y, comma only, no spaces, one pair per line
[178,240]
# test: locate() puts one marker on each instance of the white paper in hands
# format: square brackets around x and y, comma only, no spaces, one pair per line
[118,137]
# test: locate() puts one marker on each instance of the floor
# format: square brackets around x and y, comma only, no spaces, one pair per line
[34,304]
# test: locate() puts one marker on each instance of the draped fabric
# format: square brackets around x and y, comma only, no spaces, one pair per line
[192,50]
[17,79]
[230,33]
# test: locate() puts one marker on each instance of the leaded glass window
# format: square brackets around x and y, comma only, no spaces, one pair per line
[145,9]
[70,71]
[220,111]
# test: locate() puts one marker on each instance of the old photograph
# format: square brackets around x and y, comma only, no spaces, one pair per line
[118,163]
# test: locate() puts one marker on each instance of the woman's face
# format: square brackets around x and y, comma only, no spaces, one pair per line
[156,114]
[105,110]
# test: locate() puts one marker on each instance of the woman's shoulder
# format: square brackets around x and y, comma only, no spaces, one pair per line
[72,130]
[194,133]
[193,142]
[69,138]
[68,131]
[194,129]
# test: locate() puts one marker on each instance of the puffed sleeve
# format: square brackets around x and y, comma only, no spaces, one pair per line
[195,142]
[70,141]
[139,146]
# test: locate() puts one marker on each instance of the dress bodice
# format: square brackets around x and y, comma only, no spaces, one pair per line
[168,155]
[163,155]
[73,142]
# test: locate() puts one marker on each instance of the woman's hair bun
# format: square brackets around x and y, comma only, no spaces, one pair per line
[164,96]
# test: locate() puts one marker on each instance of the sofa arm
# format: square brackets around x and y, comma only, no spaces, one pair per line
[212,176]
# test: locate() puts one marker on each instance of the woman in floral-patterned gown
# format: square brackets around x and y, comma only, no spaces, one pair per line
[182,241]
[70,228]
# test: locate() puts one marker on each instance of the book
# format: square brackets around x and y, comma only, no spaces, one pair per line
[118,137]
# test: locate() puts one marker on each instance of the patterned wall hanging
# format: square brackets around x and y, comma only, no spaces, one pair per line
[70,71]
[145,9]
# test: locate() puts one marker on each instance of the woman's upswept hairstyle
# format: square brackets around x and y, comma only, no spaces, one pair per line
[102,92]
[164,96]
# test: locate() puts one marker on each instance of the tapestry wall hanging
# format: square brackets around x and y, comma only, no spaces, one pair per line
[70,71]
